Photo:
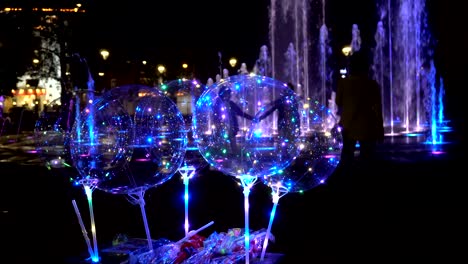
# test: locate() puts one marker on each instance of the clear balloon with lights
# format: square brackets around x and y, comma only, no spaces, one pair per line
[100,141]
[319,155]
[185,93]
[50,138]
[249,127]
[317,161]
[158,147]
[159,144]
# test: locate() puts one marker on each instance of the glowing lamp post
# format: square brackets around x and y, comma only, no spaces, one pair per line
[233,62]
[161,69]
[346,50]
[104,54]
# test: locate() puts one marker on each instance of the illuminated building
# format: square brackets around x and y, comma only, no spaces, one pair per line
[43,34]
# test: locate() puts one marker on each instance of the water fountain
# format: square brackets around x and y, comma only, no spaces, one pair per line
[289,43]
[300,53]
[412,95]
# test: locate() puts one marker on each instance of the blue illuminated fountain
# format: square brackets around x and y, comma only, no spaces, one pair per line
[299,53]
[412,91]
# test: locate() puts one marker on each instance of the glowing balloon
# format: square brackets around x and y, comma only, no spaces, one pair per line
[185,94]
[101,140]
[49,139]
[159,144]
[320,155]
[248,125]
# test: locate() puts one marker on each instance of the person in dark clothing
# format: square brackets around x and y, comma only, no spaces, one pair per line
[287,108]
[360,109]
[288,119]
[226,115]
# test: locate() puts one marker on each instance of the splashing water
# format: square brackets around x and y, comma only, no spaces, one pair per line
[412,98]
[299,52]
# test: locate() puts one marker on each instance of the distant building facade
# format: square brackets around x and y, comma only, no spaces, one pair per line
[49,30]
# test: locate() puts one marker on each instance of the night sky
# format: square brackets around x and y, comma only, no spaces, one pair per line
[175,31]
[192,31]
[172,31]
[179,30]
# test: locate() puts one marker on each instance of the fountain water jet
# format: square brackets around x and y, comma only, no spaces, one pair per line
[292,58]
[401,55]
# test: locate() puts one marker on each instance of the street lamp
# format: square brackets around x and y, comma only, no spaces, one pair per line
[346,50]
[104,54]
[233,62]
[161,69]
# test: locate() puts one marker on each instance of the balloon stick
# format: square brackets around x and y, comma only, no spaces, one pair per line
[83,229]
[187,173]
[276,195]
[89,193]
[247,182]
[141,201]
[194,232]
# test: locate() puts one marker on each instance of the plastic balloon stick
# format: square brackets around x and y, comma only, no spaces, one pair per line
[194,232]
[247,182]
[83,229]
[277,193]
[187,173]
[141,201]
[89,195]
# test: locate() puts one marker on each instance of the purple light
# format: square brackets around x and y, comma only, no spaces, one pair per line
[142,160]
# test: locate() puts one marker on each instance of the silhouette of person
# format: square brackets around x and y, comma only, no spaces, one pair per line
[359,106]
[226,114]
[288,118]
[287,108]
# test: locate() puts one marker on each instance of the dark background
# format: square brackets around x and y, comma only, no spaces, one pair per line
[172,32]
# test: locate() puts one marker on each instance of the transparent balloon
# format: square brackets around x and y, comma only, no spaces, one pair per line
[185,94]
[52,134]
[49,139]
[159,143]
[320,155]
[249,125]
[101,140]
